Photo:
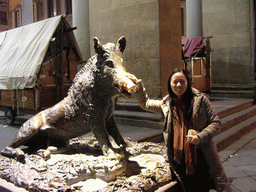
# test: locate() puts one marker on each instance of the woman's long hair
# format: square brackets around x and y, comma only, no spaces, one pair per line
[188,96]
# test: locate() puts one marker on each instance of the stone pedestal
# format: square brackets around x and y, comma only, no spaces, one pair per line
[84,168]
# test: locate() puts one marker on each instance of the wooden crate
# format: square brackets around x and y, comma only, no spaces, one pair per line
[7,98]
[24,99]
[200,79]
[47,96]
[28,99]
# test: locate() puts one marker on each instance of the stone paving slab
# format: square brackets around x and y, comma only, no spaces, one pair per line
[237,146]
[244,184]
[240,163]
[137,133]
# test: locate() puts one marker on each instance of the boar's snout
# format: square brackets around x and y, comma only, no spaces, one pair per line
[126,87]
[131,87]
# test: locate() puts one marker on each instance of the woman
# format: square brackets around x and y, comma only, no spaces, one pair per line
[193,158]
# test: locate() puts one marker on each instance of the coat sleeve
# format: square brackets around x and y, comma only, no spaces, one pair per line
[213,121]
[144,101]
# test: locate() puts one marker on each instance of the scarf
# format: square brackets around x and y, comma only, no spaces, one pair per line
[180,144]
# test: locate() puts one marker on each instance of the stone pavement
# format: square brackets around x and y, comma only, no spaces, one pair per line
[239,161]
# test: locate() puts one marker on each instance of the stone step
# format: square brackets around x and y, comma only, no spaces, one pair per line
[245,91]
[138,123]
[141,134]
[233,93]
[237,122]
[239,126]
[138,115]
[236,118]
[129,112]
[128,105]
[233,134]
[139,119]
[236,107]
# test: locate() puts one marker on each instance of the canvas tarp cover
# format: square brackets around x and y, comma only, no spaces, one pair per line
[22,51]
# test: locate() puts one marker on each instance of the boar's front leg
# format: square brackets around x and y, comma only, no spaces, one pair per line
[100,132]
[114,132]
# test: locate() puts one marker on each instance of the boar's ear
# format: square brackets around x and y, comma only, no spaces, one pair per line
[121,44]
[98,46]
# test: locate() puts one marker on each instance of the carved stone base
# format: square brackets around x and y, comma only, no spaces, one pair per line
[145,170]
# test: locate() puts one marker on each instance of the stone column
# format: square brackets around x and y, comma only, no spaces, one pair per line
[170,40]
[80,14]
[27,12]
[194,18]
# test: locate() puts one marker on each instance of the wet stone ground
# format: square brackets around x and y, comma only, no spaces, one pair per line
[84,168]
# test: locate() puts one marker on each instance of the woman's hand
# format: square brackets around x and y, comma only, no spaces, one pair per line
[193,139]
[132,77]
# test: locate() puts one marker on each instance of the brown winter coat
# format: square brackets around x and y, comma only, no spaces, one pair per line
[205,121]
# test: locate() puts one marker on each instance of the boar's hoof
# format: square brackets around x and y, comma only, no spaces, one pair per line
[126,145]
[9,152]
[44,153]
[52,149]
[118,155]
[20,155]
[14,153]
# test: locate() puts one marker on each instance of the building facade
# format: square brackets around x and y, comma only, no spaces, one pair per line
[3,15]
[11,11]
[153,32]
[232,25]
[154,29]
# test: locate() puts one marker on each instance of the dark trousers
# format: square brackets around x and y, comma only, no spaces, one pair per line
[202,180]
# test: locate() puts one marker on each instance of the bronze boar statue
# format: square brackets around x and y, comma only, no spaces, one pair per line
[88,106]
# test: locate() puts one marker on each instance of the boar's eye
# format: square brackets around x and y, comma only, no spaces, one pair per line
[109,64]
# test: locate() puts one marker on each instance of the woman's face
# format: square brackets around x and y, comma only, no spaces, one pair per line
[179,84]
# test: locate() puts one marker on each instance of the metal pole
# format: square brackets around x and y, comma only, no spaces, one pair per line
[59,62]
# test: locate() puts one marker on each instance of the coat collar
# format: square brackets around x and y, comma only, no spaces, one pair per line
[167,99]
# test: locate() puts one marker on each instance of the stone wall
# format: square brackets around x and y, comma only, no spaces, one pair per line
[231,24]
[142,25]
[138,22]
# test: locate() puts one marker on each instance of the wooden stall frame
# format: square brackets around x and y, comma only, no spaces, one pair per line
[62,52]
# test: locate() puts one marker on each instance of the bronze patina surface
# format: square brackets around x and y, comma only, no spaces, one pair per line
[145,170]
[88,107]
